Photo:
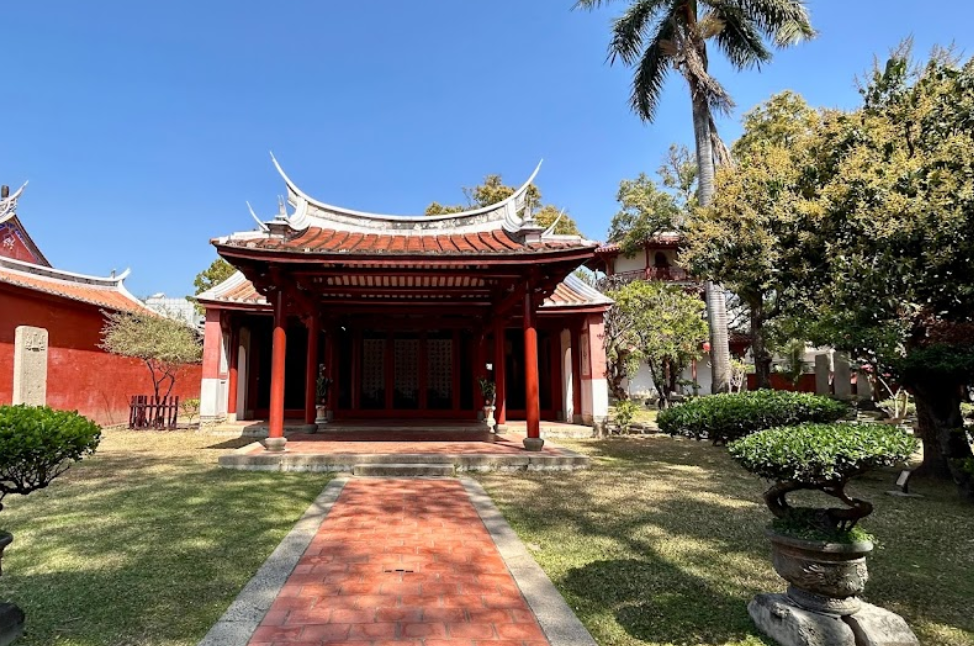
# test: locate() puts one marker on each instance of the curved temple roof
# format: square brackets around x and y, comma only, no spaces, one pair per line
[311,212]
[108,292]
[315,227]
[238,292]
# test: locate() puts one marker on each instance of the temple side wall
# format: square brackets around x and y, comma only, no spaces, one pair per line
[80,375]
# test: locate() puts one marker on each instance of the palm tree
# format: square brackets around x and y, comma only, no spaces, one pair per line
[655,36]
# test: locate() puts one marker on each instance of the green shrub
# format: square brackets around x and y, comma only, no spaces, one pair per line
[822,457]
[625,411]
[37,444]
[727,417]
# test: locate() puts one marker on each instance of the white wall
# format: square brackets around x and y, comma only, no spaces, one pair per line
[641,383]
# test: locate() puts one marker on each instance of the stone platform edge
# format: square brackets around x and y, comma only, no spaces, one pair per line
[240,621]
[559,623]
[244,459]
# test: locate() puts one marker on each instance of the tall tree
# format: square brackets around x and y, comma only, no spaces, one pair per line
[493,190]
[746,239]
[888,245]
[655,36]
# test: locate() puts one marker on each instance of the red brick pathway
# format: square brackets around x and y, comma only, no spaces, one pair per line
[403,561]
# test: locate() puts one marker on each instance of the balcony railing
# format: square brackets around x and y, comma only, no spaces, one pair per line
[668,274]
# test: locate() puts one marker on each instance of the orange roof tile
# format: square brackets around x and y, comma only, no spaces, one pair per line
[102,292]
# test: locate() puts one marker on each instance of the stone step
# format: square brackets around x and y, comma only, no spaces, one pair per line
[395,470]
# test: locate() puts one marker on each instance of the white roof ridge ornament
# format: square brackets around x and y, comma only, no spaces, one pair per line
[504,211]
[8,205]
[260,224]
[550,230]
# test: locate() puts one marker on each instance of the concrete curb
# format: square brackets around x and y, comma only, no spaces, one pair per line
[238,623]
[243,459]
[557,620]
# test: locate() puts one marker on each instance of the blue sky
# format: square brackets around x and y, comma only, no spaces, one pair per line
[144,126]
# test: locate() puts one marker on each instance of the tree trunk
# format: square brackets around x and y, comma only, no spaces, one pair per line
[762,358]
[714,294]
[940,428]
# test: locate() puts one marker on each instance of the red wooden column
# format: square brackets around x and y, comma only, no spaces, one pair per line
[276,440]
[311,369]
[532,403]
[500,375]
[234,357]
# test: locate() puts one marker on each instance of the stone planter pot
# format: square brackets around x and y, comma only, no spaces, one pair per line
[489,417]
[321,414]
[6,538]
[823,577]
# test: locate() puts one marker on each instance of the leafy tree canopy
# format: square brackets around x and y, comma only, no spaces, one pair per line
[749,239]
[650,206]
[162,343]
[218,271]
[493,190]
[664,326]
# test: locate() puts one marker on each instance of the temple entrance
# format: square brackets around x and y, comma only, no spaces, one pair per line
[404,373]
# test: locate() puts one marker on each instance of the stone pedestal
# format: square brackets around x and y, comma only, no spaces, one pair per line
[874,626]
[11,623]
[275,444]
[789,624]
[30,366]
[533,443]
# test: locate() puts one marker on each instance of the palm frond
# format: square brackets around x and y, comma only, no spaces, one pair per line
[738,38]
[785,22]
[629,31]
[647,84]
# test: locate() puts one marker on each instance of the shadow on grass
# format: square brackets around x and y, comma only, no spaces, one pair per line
[654,601]
[682,511]
[139,548]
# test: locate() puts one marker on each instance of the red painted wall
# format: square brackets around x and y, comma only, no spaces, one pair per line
[80,376]
[806,383]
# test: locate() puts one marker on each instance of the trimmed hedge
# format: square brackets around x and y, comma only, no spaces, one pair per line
[37,444]
[727,417]
[813,454]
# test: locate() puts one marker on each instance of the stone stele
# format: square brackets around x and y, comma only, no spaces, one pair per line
[789,624]
[30,366]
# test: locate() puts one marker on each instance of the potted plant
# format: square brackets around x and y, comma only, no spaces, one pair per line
[820,551]
[489,391]
[37,444]
[322,386]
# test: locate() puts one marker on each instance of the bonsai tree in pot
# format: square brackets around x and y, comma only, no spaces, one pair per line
[820,551]
[37,444]
[489,391]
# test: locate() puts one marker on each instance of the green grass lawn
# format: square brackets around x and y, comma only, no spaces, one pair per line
[145,543]
[661,542]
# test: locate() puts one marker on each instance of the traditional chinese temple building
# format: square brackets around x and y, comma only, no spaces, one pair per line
[405,315]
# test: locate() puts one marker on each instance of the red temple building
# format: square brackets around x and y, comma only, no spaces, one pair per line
[405,315]
[71,307]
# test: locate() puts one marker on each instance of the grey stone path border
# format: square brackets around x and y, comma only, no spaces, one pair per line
[238,623]
[559,623]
